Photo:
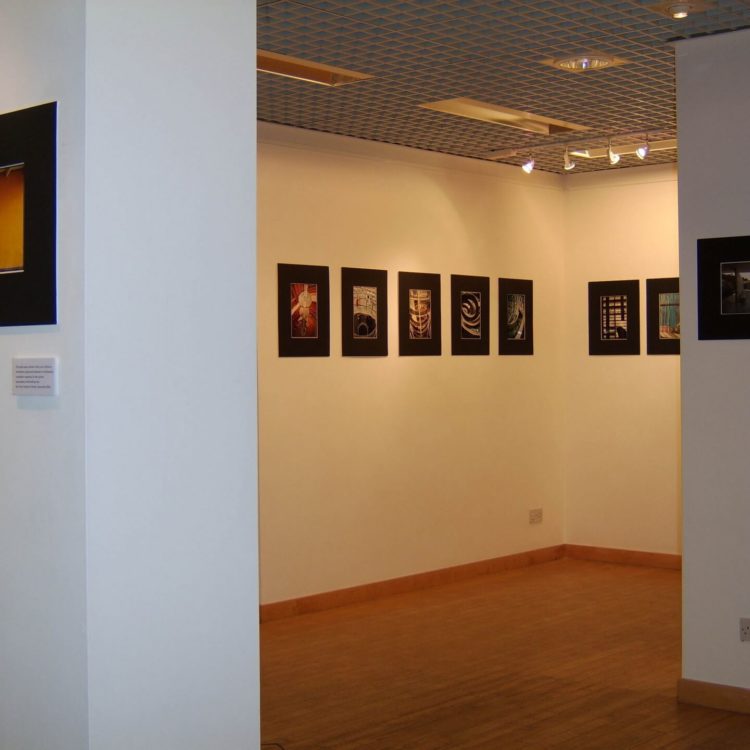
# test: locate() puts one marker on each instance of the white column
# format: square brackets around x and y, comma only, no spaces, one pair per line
[170,375]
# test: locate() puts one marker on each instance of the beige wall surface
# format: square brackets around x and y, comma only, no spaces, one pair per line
[373,468]
[622,462]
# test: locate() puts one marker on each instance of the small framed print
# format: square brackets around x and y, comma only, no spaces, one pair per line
[470,315]
[304,313]
[724,288]
[663,316]
[614,317]
[364,312]
[28,144]
[516,316]
[419,314]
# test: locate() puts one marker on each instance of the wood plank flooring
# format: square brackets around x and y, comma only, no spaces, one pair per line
[568,655]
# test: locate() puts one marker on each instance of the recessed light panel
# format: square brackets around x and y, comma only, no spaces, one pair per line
[306,70]
[498,115]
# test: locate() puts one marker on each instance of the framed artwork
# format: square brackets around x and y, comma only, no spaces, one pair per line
[516,316]
[304,314]
[663,316]
[470,315]
[724,288]
[614,317]
[28,146]
[364,312]
[419,314]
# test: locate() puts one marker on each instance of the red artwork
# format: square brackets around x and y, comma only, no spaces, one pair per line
[304,310]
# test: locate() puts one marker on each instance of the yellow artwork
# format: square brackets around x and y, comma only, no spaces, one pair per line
[11,219]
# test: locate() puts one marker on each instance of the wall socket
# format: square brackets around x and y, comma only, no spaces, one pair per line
[535,516]
[745,628]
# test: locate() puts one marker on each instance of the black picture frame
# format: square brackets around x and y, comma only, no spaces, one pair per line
[614,317]
[515,316]
[28,146]
[470,315]
[419,332]
[308,334]
[364,315]
[663,316]
[723,264]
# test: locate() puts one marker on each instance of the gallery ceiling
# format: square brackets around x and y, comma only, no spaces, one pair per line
[498,54]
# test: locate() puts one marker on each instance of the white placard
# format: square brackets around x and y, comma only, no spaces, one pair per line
[35,376]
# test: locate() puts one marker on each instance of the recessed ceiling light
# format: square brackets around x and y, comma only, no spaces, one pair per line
[678,11]
[581,62]
[498,115]
[306,70]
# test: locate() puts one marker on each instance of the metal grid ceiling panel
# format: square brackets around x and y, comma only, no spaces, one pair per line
[421,51]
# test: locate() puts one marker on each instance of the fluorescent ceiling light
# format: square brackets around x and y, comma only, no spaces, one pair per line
[497,115]
[305,70]
[623,150]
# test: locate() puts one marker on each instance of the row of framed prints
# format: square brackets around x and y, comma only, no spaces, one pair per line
[614,317]
[304,314]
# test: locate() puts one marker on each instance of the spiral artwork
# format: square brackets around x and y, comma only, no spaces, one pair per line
[471,315]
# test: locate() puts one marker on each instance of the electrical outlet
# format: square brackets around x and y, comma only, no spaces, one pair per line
[535,516]
[745,628]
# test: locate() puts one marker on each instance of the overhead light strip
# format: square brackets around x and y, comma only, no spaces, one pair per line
[306,70]
[623,150]
[497,115]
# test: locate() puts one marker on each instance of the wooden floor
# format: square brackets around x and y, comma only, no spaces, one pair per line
[568,655]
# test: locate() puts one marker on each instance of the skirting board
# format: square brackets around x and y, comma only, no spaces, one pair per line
[381,589]
[712,695]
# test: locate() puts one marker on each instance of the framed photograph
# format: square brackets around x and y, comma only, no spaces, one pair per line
[364,312]
[419,314]
[724,288]
[663,316]
[614,317]
[516,316]
[470,315]
[28,147]
[304,312]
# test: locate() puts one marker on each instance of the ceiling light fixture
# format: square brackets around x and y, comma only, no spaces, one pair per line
[613,156]
[528,166]
[642,151]
[583,61]
[678,11]
[306,70]
[567,163]
[624,149]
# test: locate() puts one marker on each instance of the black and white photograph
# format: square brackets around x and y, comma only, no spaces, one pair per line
[516,316]
[364,312]
[470,314]
[419,314]
[614,317]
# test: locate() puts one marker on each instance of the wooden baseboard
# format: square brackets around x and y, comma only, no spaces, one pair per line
[624,556]
[381,589]
[713,695]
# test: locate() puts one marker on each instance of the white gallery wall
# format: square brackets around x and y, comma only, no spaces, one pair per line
[42,511]
[128,503]
[714,198]
[374,468]
[622,413]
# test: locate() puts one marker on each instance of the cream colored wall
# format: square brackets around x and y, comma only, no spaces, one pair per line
[377,468]
[622,412]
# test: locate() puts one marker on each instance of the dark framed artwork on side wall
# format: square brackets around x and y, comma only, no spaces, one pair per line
[516,316]
[364,312]
[724,288]
[28,267]
[470,314]
[614,317]
[304,312]
[419,314]
[663,316]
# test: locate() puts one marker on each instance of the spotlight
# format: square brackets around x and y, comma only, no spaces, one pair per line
[528,166]
[642,151]
[567,162]
[614,157]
